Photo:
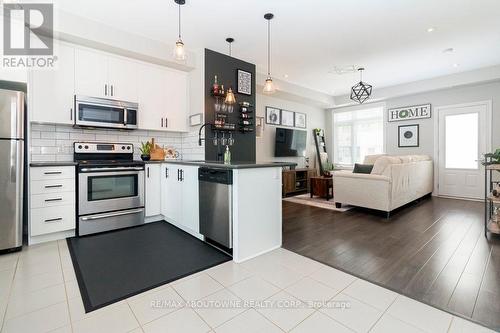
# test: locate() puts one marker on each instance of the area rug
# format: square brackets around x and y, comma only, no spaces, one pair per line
[116,265]
[305,199]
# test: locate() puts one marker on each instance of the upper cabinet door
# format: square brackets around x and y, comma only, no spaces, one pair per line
[122,79]
[152,97]
[91,74]
[176,90]
[52,91]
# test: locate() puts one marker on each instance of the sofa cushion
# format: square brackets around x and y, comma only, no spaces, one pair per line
[383,162]
[362,168]
[370,159]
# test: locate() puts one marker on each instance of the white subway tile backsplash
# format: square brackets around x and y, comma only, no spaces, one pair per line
[55,142]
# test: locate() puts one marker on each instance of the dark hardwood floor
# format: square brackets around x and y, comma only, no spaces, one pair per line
[433,251]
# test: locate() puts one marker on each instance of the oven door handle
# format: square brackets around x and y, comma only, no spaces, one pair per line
[105,216]
[112,169]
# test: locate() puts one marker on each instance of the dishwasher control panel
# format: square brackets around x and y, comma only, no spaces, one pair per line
[213,175]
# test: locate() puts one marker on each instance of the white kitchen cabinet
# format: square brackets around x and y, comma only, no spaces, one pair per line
[52,90]
[190,198]
[179,195]
[170,193]
[99,74]
[122,78]
[153,190]
[163,98]
[91,74]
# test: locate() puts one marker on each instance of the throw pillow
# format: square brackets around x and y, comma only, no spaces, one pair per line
[362,168]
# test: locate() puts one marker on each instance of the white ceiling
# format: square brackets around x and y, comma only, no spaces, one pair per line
[310,37]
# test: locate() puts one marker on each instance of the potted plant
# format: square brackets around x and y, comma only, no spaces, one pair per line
[491,158]
[145,150]
[328,169]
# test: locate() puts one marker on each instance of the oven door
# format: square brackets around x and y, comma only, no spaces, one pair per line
[104,190]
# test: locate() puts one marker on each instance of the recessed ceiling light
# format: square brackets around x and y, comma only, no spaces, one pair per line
[456,65]
[285,76]
[448,50]
[431,29]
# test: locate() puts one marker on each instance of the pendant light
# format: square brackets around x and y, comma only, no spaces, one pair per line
[179,51]
[361,91]
[268,85]
[230,98]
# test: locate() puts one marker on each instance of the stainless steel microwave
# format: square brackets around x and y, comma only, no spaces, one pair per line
[102,112]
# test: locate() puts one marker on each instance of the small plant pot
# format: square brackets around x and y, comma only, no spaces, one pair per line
[145,157]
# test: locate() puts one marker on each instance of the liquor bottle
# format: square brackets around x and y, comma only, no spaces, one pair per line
[227,156]
[221,90]
[215,87]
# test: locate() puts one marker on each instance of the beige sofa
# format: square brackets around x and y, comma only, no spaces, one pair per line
[393,182]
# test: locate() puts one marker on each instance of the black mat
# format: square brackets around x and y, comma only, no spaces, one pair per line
[115,265]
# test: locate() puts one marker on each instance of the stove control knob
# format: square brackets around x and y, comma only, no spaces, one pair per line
[128,147]
[123,147]
[86,147]
[80,146]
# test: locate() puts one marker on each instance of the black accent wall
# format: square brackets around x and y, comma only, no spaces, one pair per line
[225,67]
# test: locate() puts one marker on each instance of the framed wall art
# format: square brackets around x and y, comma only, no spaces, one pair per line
[300,120]
[273,116]
[287,118]
[244,82]
[408,136]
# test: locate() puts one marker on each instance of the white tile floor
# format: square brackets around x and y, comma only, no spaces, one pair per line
[277,292]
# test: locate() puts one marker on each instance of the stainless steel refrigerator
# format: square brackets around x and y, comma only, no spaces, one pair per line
[11,169]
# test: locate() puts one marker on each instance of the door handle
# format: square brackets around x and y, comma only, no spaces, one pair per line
[54,220]
[55,199]
[105,216]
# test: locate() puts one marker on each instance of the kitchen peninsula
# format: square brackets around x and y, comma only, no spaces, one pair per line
[251,199]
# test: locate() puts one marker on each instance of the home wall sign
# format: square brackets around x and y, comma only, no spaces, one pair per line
[410,113]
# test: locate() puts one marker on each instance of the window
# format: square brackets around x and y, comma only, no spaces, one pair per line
[357,134]
[462,151]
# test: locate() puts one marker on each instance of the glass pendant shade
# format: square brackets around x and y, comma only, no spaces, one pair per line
[230,98]
[269,86]
[179,51]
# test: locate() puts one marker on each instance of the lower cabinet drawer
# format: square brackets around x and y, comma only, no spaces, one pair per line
[52,199]
[52,219]
[52,186]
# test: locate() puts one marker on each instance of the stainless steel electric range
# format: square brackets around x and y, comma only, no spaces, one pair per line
[110,187]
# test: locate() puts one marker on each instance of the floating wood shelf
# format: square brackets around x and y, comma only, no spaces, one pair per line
[493,227]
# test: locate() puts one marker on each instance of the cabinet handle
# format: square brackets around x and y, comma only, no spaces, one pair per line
[52,172]
[178,174]
[182,175]
[147,171]
[54,220]
[53,186]
[106,90]
[161,122]
[55,199]
[112,90]
[166,172]
[166,122]
[71,114]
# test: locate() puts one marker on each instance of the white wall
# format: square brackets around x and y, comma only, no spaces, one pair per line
[265,144]
[450,96]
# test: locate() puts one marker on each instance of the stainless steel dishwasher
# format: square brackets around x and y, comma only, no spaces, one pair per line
[216,205]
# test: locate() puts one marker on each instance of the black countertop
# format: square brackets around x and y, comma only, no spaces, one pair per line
[49,164]
[232,165]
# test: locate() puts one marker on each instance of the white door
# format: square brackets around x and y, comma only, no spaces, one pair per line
[153,190]
[122,78]
[190,198]
[91,74]
[171,196]
[463,138]
[176,92]
[52,91]
[152,97]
